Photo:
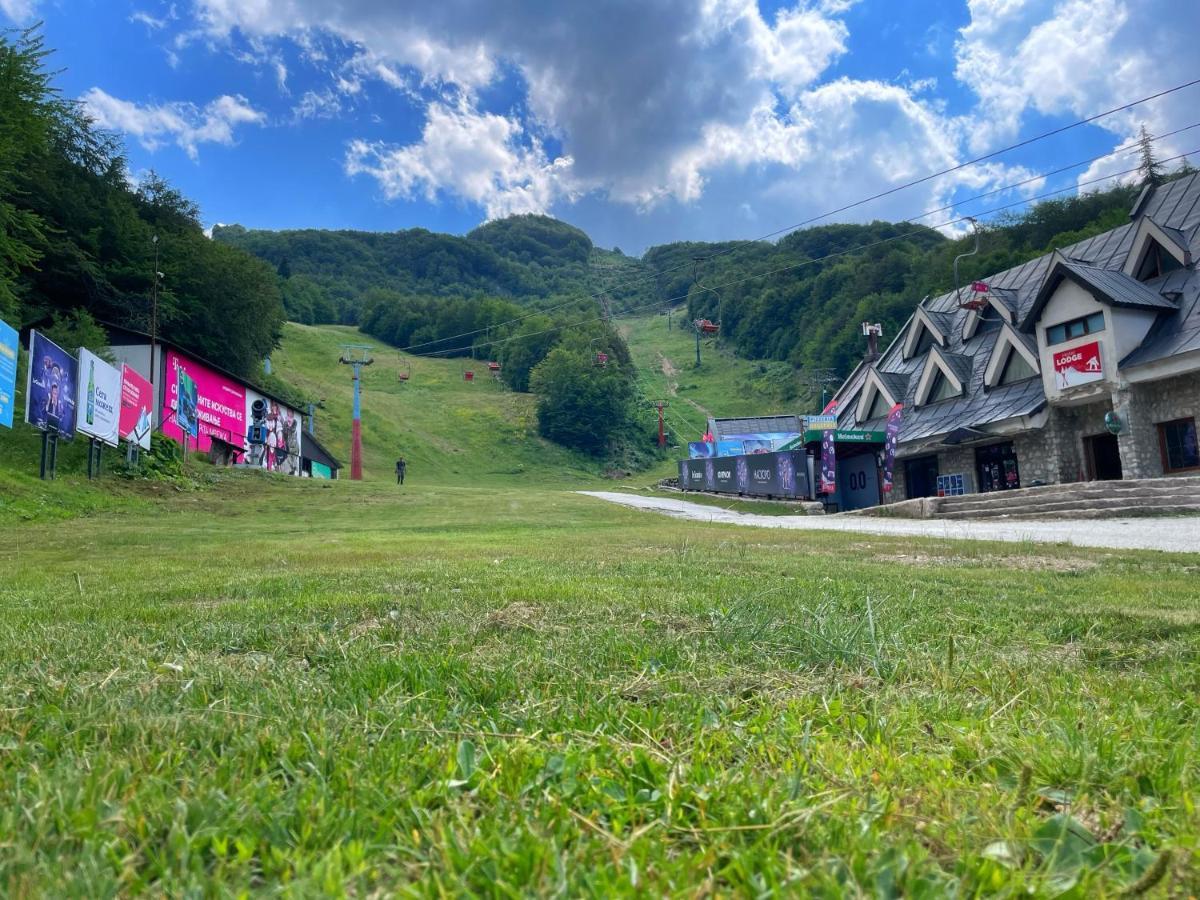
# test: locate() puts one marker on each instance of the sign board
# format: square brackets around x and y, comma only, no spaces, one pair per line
[98,399]
[701,449]
[848,436]
[202,403]
[822,422]
[951,485]
[782,474]
[1079,365]
[50,386]
[282,435]
[8,373]
[137,401]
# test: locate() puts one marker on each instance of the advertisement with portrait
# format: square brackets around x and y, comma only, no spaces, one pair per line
[283,431]
[98,399]
[50,388]
[137,399]
[203,404]
[8,373]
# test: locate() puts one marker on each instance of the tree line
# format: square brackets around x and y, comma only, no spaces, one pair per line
[77,234]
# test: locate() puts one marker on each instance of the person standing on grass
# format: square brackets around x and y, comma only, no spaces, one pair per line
[401,466]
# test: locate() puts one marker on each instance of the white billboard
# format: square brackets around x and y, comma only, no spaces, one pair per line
[98,401]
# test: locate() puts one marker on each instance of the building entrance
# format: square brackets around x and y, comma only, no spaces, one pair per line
[1104,457]
[997,468]
[920,477]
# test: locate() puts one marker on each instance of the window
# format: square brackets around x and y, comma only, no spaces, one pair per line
[1016,368]
[1156,262]
[1177,440]
[924,342]
[941,389]
[879,407]
[1057,334]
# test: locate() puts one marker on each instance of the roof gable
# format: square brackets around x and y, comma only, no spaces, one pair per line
[1009,340]
[1107,286]
[1148,233]
[955,367]
[937,324]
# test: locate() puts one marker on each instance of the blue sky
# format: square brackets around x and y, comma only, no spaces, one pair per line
[641,121]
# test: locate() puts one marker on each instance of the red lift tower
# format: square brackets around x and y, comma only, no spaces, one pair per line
[356,356]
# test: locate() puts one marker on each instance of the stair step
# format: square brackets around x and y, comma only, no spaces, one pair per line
[1112,512]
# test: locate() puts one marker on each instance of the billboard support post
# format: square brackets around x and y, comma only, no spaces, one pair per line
[49,455]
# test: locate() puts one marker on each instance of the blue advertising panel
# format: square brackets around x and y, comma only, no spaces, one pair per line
[50,394]
[8,373]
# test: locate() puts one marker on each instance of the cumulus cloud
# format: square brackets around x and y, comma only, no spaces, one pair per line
[480,157]
[184,124]
[1078,58]
[18,10]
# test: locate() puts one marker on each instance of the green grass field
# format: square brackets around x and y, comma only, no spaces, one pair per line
[336,688]
[484,683]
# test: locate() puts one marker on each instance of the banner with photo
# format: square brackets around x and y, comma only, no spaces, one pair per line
[137,401]
[8,373]
[50,387]
[98,399]
[284,436]
[889,445]
[828,464]
[701,449]
[202,404]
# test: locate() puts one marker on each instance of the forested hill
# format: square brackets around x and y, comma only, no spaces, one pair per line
[798,300]
[328,276]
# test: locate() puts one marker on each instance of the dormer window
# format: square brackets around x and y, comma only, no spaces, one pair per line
[1156,262]
[924,342]
[941,389]
[879,407]
[939,380]
[1066,331]
[1016,368]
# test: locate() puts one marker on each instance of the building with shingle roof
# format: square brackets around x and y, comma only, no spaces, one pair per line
[1081,364]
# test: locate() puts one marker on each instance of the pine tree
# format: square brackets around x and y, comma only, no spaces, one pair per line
[1151,170]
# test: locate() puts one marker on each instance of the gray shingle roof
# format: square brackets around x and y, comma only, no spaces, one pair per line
[758,425]
[1097,262]
[1109,286]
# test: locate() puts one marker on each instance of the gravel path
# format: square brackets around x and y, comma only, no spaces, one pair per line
[1178,533]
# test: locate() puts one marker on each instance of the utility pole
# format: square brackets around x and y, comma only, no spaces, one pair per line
[154,310]
[660,405]
[697,326]
[356,356]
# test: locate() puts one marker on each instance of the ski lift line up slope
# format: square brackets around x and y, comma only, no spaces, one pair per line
[862,202]
[835,255]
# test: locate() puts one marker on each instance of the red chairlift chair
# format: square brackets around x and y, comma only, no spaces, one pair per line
[494,367]
[704,326]
[468,375]
[602,360]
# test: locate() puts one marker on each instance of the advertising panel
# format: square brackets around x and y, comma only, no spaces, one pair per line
[98,399]
[50,389]
[701,449]
[820,423]
[889,445]
[1079,365]
[320,470]
[725,475]
[283,435]
[8,373]
[137,399]
[756,442]
[203,404]
[828,464]
[710,475]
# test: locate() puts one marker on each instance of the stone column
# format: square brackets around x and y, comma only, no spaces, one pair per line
[1138,440]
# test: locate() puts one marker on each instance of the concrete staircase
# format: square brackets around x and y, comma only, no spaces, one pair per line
[1083,500]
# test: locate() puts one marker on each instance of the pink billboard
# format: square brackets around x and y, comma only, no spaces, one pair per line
[209,405]
[137,399]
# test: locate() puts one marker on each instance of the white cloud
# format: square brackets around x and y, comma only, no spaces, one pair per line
[183,124]
[18,10]
[480,157]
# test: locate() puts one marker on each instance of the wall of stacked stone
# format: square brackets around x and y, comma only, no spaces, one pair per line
[1141,408]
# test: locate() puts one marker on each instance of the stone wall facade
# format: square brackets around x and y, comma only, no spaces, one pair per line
[1141,408]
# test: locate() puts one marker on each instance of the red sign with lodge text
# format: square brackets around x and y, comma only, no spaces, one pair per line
[1079,365]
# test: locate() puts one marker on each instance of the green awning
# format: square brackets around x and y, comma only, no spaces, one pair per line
[847,436]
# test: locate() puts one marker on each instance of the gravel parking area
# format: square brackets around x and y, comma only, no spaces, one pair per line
[1180,534]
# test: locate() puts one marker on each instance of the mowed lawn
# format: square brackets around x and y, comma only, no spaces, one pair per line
[348,689]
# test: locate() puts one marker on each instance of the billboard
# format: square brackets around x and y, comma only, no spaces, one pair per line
[137,400]
[8,373]
[203,404]
[756,442]
[98,399]
[284,433]
[701,449]
[50,388]
[889,445]
[781,474]
[1079,365]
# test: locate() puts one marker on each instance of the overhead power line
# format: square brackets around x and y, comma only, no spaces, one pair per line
[810,261]
[849,206]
